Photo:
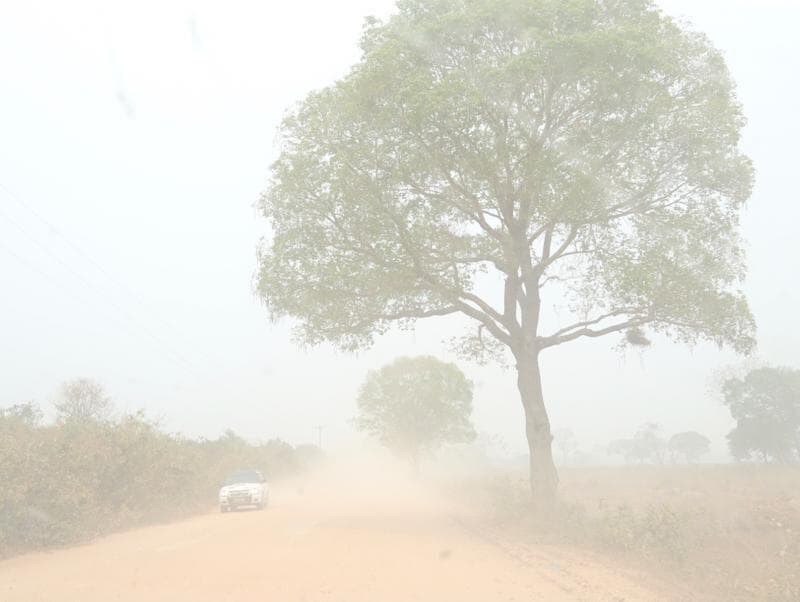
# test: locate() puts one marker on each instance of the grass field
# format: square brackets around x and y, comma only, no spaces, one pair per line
[730,531]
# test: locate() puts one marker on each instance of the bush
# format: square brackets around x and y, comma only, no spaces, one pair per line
[71,481]
[658,531]
[726,530]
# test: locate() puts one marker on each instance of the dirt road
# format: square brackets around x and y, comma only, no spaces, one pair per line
[391,547]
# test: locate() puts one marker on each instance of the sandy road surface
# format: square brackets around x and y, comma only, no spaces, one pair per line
[391,547]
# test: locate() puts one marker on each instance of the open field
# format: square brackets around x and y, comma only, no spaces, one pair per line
[732,532]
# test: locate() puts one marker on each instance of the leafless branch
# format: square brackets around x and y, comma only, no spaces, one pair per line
[551,341]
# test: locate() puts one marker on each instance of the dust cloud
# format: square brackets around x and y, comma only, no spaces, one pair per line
[392,300]
[352,530]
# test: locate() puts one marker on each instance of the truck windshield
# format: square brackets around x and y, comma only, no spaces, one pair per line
[243,476]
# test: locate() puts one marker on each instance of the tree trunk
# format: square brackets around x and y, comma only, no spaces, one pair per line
[543,475]
[415,462]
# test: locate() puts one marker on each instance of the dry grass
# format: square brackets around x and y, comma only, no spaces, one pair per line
[731,532]
[734,530]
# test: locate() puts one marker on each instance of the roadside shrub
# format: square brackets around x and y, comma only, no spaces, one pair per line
[658,531]
[728,531]
[73,480]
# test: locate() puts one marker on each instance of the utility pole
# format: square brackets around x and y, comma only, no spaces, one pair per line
[319,435]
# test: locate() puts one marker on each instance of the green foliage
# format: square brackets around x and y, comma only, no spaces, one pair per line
[585,149]
[492,157]
[416,404]
[766,407]
[690,445]
[69,481]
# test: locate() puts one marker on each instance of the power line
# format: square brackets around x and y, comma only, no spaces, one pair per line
[170,352]
[46,319]
[175,355]
[122,286]
[80,301]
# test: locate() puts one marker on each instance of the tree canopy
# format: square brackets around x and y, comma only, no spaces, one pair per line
[25,414]
[487,156]
[690,445]
[514,136]
[646,445]
[415,404]
[766,407]
[83,400]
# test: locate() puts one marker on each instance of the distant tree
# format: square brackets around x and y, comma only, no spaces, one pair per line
[650,445]
[580,458]
[766,407]
[26,414]
[691,446]
[232,438]
[415,404]
[564,440]
[647,445]
[309,456]
[83,400]
[623,448]
[578,152]
[276,457]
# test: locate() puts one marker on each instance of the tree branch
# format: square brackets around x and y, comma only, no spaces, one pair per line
[597,320]
[412,314]
[483,312]
[553,340]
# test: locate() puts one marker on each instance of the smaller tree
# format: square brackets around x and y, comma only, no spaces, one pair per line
[416,404]
[564,440]
[83,400]
[25,414]
[647,445]
[622,447]
[691,446]
[766,407]
[650,445]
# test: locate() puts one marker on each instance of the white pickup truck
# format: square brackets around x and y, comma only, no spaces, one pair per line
[243,488]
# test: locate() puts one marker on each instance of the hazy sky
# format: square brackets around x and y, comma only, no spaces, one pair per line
[135,138]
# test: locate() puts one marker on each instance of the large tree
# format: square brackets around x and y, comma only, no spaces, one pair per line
[493,157]
[416,404]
